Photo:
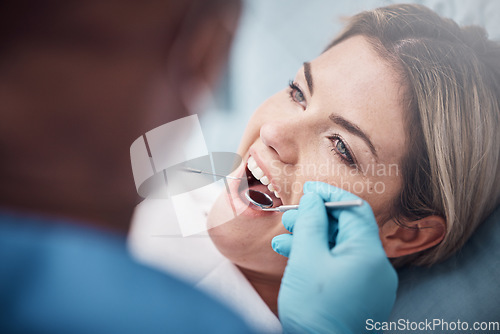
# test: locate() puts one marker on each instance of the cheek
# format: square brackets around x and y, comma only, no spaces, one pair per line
[268,111]
[385,191]
[378,190]
[250,135]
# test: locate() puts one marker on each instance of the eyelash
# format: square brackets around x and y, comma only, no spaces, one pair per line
[295,88]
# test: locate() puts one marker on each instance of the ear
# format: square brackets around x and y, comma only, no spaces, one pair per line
[414,237]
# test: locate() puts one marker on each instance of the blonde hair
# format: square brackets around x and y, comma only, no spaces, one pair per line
[452,76]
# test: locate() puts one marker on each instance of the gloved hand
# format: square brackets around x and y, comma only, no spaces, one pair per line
[333,290]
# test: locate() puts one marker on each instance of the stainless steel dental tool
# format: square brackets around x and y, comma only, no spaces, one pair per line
[265,202]
[198,171]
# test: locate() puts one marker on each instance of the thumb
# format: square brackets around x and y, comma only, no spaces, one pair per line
[288,219]
[282,244]
[356,223]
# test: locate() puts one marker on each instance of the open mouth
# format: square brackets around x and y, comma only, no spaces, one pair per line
[259,182]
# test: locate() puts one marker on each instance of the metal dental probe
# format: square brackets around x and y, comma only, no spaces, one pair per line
[331,205]
[198,171]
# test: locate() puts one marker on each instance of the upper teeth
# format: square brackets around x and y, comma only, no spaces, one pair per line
[259,175]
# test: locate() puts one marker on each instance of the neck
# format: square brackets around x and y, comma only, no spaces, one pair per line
[267,286]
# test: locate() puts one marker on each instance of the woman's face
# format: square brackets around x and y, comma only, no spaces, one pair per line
[339,122]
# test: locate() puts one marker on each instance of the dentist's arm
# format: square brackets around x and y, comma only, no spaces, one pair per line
[333,290]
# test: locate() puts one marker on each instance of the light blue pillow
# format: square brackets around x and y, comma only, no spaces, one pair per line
[466,287]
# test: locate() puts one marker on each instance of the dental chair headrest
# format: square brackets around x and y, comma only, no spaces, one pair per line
[465,287]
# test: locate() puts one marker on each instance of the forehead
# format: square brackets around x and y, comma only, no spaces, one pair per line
[352,80]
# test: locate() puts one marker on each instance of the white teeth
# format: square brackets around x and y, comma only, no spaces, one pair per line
[252,164]
[264,180]
[255,169]
[259,175]
[271,189]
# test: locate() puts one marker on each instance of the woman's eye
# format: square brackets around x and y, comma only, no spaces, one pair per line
[296,94]
[341,149]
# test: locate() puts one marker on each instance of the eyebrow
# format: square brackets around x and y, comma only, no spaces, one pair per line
[307,74]
[355,130]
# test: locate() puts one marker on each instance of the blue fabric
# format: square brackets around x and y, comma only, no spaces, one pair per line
[57,278]
[466,287]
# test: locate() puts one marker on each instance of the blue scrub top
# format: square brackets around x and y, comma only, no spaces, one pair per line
[56,277]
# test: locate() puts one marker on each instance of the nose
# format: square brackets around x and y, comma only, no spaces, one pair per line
[282,137]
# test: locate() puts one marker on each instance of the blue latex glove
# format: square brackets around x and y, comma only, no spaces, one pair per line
[333,290]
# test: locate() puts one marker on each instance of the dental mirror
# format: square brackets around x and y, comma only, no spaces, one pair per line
[258,198]
[265,202]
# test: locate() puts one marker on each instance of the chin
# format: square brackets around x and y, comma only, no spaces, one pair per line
[246,238]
